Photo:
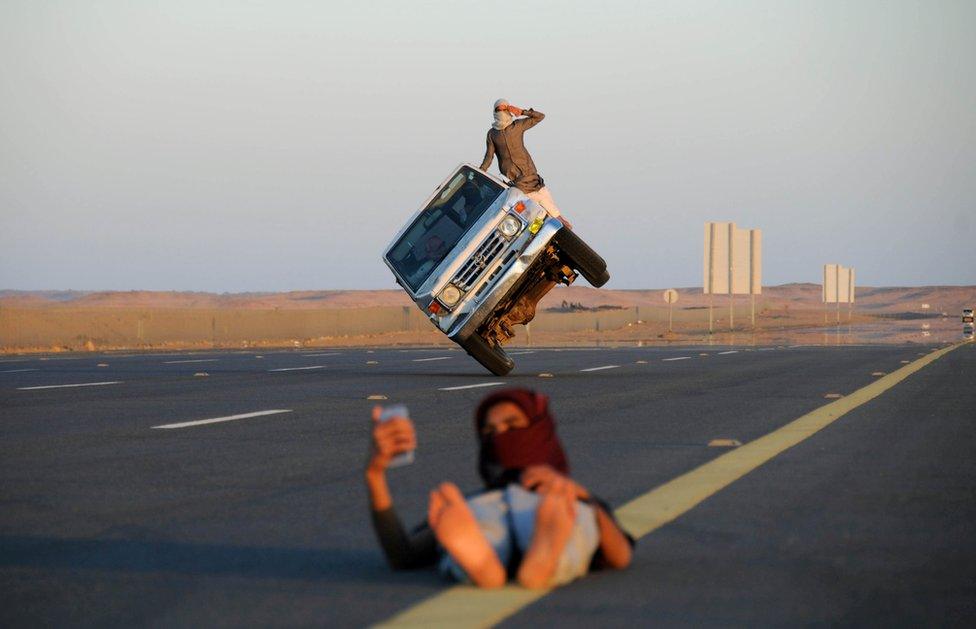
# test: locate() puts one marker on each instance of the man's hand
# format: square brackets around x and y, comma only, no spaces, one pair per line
[515,111]
[543,479]
[390,438]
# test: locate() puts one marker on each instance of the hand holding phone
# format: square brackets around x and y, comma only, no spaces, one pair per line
[388,413]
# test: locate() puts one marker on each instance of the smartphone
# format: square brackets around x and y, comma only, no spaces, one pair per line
[388,413]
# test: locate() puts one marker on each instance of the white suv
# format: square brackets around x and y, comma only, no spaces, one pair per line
[479,256]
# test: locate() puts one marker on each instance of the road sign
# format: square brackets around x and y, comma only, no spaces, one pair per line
[838,288]
[670,296]
[732,265]
[733,260]
[838,284]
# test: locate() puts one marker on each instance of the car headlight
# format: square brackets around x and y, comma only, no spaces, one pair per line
[450,296]
[509,226]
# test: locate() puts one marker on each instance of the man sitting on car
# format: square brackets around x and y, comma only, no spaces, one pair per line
[514,161]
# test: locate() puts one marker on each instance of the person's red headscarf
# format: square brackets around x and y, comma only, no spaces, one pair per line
[503,456]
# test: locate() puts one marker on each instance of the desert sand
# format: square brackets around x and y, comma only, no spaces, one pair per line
[949,299]
[42,321]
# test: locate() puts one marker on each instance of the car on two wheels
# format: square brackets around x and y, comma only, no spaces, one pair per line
[478,257]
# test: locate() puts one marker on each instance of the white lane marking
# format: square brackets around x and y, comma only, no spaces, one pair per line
[601,368]
[731,351]
[678,358]
[61,386]
[424,360]
[17,370]
[298,368]
[197,360]
[217,420]
[765,349]
[472,386]
[531,351]
[329,354]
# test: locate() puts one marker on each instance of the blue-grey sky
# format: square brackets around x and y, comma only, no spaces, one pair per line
[250,146]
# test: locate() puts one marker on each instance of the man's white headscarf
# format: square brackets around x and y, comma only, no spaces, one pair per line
[502,118]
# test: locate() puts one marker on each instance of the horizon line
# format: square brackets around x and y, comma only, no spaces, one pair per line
[396,289]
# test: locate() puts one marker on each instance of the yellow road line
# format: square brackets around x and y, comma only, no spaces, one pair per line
[466,606]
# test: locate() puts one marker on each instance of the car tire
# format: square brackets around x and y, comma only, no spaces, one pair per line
[581,257]
[494,359]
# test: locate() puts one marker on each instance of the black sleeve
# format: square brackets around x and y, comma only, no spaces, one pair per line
[598,562]
[404,551]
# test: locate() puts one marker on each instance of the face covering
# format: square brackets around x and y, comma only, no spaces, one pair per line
[502,457]
[502,120]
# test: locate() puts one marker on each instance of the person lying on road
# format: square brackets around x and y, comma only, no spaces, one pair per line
[531,521]
[505,139]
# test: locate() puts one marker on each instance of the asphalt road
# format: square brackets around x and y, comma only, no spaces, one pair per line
[262,520]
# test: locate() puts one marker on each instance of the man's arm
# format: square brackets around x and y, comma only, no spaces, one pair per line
[531,119]
[614,545]
[489,152]
[402,550]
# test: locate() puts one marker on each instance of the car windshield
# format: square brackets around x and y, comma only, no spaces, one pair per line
[437,229]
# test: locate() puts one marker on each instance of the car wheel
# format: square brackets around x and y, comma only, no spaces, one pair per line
[581,257]
[492,358]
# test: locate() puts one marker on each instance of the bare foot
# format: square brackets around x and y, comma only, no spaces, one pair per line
[554,521]
[458,532]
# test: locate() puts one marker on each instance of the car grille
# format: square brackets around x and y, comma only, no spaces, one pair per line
[494,274]
[482,259]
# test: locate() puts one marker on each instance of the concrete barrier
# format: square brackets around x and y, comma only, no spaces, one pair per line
[76,328]
[73,327]
[577,321]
